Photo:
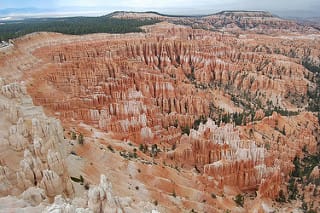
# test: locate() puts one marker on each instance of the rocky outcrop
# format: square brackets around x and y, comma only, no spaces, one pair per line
[151,88]
[6,176]
[133,86]
[231,21]
[34,140]
[257,21]
[261,165]
[34,196]
[285,138]
[100,198]
[218,152]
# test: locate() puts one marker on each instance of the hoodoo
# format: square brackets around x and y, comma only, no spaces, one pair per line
[211,113]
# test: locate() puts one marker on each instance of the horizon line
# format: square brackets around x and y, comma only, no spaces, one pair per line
[79,11]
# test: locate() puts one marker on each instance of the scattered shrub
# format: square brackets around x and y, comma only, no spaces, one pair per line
[239,199]
[80,139]
[185,130]
[86,186]
[73,136]
[155,202]
[110,148]
[281,197]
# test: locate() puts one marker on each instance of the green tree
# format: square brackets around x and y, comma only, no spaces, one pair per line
[284,130]
[281,197]
[73,135]
[80,139]
[239,199]
[154,149]
[185,130]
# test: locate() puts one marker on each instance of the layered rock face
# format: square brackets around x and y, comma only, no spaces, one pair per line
[34,140]
[152,88]
[31,154]
[136,88]
[147,90]
[230,21]
[100,198]
[285,138]
[261,162]
[261,22]
[219,153]
[33,172]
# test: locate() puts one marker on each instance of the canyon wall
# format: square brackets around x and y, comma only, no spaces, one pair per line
[136,88]
[152,89]
[33,171]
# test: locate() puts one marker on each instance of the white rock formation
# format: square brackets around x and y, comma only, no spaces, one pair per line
[37,142]
[100,198]
[33,140]
[34,196]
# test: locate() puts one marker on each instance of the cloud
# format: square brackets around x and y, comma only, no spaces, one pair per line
[142,3]
[24,3]
[171,6]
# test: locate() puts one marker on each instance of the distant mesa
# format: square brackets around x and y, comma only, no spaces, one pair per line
[242,13]
[248,13]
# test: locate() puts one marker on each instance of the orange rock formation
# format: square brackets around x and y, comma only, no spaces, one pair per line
[121,91]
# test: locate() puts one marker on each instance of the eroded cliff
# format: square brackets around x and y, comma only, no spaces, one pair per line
[151,111]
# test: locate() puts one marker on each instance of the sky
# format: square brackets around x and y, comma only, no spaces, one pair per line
[185,7]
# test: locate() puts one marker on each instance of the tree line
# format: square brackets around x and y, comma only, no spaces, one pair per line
[72,25]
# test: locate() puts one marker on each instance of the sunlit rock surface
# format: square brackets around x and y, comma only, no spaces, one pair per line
[135,100]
